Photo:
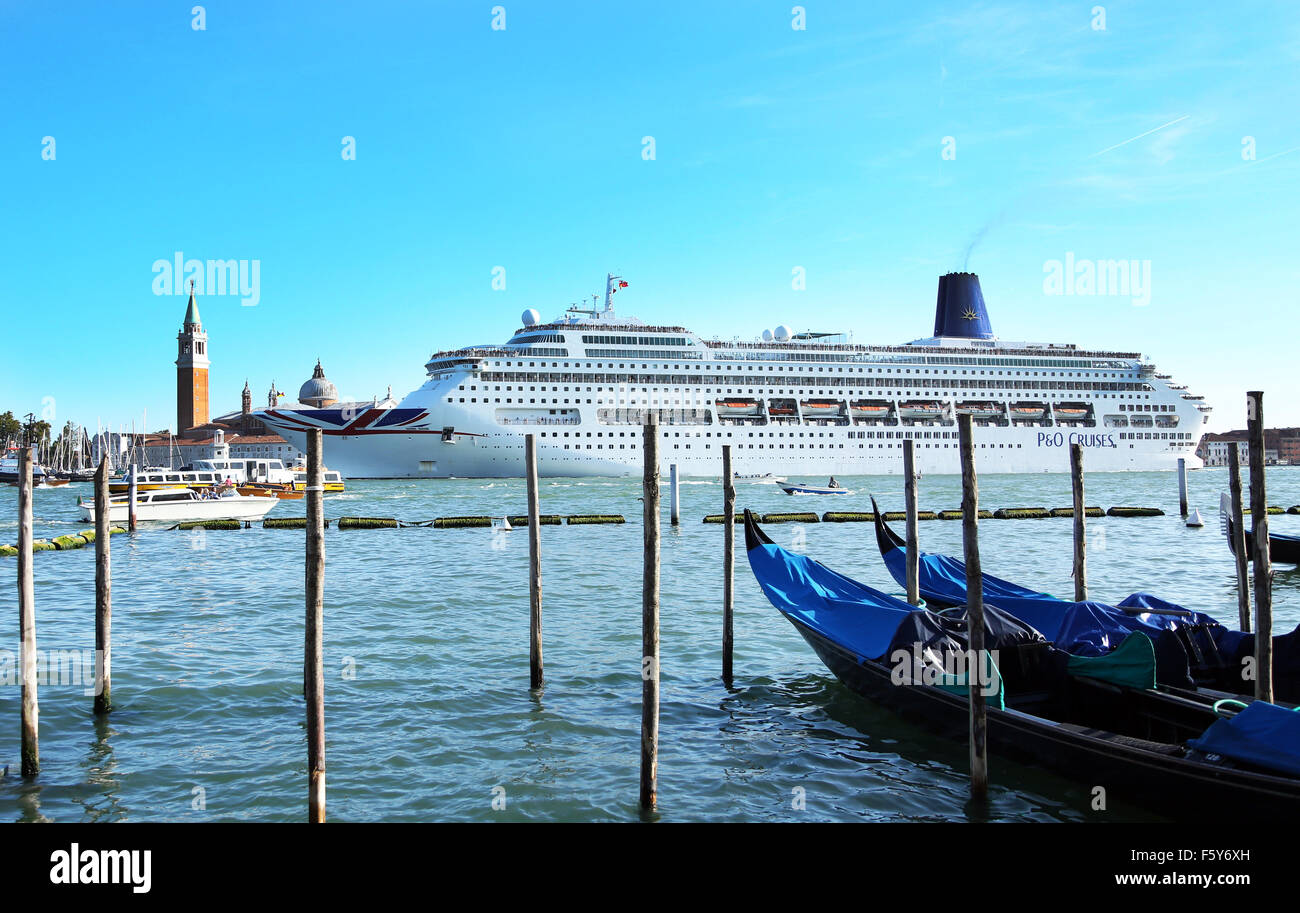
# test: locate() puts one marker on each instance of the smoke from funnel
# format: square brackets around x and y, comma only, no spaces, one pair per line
[979,236]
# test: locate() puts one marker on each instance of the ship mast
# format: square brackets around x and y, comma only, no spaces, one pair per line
[610,279]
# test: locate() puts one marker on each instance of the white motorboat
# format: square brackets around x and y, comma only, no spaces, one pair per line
[797,489]
[181,503]
[9,468]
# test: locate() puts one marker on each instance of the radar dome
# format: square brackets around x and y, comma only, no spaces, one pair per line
[767,336]
[530,317]
[782,333]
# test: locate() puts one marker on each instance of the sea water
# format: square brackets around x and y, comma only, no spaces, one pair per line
[428,714]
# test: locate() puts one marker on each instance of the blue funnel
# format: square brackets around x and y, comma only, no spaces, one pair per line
[960,309]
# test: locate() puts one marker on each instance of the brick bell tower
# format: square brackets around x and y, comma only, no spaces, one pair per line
[191,371]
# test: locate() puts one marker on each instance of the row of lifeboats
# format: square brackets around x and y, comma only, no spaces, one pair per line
[870,410]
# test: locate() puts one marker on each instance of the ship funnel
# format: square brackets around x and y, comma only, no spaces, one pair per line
[960,309]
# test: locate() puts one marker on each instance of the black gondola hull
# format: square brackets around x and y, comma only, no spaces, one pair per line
[1280,550]
[1180,787]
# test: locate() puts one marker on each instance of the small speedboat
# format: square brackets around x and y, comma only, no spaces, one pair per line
[794,488]
[757,477]
[502,524]
[180,503]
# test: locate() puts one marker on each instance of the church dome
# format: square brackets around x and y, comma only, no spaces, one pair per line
[318,391]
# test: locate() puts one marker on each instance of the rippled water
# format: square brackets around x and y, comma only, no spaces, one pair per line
[207,659]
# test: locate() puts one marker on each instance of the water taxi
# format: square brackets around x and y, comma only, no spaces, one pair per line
[222,469]
[333,480]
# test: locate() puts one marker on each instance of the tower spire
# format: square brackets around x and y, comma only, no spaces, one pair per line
[191,370]
[192,311]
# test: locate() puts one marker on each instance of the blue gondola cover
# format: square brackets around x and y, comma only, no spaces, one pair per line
[1264,735]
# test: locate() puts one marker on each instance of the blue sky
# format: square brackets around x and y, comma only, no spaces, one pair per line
[775,148]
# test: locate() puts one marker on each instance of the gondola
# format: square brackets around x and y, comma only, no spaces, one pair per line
[1281,549]
[1103,720]
[1192,648]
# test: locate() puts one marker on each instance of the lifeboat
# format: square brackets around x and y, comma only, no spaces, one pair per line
[782,408]
[814,409]
[978,409]
[871,409]
[734,407]
[1074,414]
[1028,412]
[923,410]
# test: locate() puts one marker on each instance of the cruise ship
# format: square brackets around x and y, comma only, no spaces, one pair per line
[811,404]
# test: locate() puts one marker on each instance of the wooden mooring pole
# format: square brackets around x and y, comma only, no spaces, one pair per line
[728,563]
[1238,533]
[1182,486]
[1259,542]
[314,634]
[1080,570]
[909,492]
[975,666]
[103,594]
[674,502]
[534,567]
[31,752]
[650,618]
[130,501]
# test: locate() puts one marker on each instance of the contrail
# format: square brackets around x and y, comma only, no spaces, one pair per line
[1140,135]
[1276,155]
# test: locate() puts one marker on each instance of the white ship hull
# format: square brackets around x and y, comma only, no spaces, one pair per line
[500,453]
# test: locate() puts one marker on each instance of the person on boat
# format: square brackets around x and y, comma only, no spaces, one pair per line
[832,483]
